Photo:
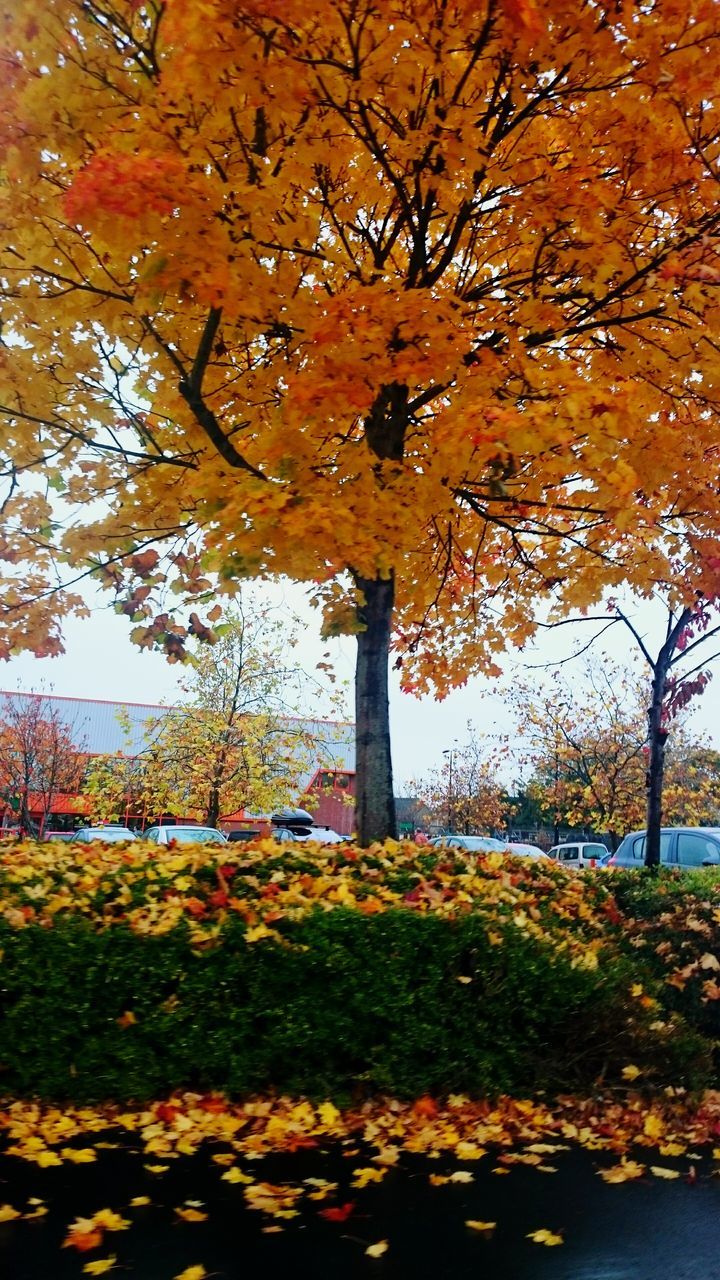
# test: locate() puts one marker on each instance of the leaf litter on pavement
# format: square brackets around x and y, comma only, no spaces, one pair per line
[632,1139]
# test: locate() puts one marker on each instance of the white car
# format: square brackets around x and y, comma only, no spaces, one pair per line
[526,850]
[323,835]
[184,835]
[580,853]
[108,835]
[473,844]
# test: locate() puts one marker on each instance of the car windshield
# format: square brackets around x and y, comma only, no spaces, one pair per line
[195,835]
[106,833]
[482,844]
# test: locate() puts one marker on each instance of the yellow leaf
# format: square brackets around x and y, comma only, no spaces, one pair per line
[156,1168]
[236,1175]
[138,1200]
[462,1175]
[485,1227]
[659,1172]
[100,1265]
[191,1215]
[361,1177]
[631,1073]
[653,1126]
[192,1273]
[47,1158]
[377,1250]
[79,1155]
[7,1213]
[329,1114]
[110,1220]
[545,1237]
[623,1172]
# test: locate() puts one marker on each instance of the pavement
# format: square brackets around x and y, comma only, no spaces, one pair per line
[647,1229]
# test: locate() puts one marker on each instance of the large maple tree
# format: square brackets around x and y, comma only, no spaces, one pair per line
[406,300]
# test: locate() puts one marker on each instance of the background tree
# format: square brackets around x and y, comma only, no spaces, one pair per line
[466,793]
[677,665]
[409,301]
[584,739]
[587,744]
[39,759]
[240,740]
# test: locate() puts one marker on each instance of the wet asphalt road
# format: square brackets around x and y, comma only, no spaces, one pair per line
[642,1230]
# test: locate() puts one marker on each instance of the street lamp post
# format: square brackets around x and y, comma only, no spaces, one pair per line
[450,753]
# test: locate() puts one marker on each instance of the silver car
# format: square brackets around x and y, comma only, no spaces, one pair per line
[473,844]
[184,835]
[679,847]
[109,835]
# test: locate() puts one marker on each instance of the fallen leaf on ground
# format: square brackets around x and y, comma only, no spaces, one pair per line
[338,1214]
[544,1236]
[236,1175]
[484,1227]
[192,1273]
[377,1250]
[363,1176]
[623,1172]
[663,1173]
[100,1265]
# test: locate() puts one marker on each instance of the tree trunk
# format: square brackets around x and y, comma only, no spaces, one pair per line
[657,736]
[213,809]
[375,803]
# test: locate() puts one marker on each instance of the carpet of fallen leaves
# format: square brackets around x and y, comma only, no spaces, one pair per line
[663,1138]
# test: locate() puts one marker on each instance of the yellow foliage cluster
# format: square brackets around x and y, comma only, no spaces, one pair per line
[264,884]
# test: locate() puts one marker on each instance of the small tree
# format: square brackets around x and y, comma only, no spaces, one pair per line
[239,741]
[465,794]
[39,758]
[585,740]
[676,678]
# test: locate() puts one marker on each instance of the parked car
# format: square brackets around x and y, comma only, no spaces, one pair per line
[526,850]
[577,854]
[323,835]
[59,835]
[184,835]
[679,847]
[109,835]
[473,844]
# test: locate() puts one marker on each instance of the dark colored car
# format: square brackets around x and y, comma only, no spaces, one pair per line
[679,847]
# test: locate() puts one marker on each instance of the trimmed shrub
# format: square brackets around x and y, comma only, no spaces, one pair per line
[338,1002]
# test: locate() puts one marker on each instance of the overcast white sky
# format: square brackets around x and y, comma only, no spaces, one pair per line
[101,662]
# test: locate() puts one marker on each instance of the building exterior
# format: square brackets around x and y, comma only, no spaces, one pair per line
[99,727]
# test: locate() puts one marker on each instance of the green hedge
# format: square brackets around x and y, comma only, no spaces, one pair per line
[345,1003]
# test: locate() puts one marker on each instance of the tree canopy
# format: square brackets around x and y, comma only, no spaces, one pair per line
[409,301]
